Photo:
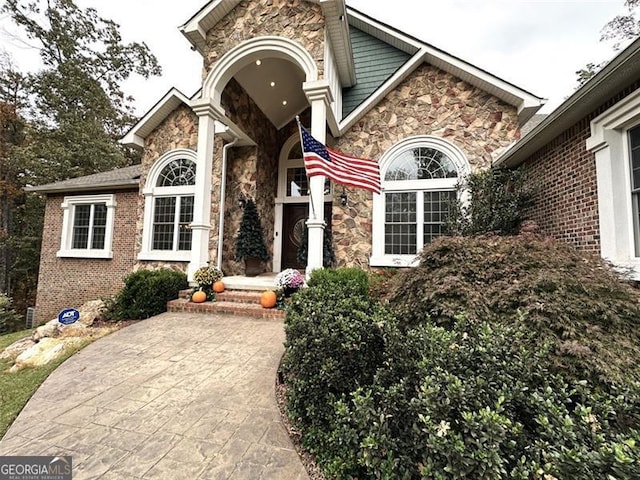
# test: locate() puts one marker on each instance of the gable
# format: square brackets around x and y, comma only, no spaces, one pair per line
[418,53]
[375,62]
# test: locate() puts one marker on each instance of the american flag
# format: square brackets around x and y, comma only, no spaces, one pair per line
[341,168]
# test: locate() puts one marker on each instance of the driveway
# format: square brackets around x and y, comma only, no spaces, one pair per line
[177,396]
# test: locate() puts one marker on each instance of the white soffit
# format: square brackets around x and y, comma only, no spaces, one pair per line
[196,28]
[526,103]
[338,31]
[167,104]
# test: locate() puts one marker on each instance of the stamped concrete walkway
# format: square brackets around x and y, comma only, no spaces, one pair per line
[177,396]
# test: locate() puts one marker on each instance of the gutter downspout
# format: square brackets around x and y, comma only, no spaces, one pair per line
[223,191]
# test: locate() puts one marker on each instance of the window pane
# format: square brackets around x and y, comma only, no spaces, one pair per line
[421,163]
[400,239]
[81,219]
[186,217]
[400,223]
[436,210]
[163,223]
[99,225]
[634,143]
[178,173]
[297,183]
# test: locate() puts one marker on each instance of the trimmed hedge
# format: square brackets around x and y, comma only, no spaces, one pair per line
[146,293]
[333,344]
[477,402]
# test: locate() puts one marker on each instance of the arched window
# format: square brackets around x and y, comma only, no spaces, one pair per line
[169,196]
[419,176]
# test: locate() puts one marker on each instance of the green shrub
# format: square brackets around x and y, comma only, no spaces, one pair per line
[497,199]
[573,301]
[537,380]
[476,401]
[10,320]
[333,344]
[146,293]
[351,282]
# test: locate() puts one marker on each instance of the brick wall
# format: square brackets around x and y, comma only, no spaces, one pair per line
[563,174]
[69,282]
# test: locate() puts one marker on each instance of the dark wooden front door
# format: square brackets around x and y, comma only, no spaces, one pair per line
[293,224]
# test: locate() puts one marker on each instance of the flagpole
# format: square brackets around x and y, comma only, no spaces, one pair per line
[313,208]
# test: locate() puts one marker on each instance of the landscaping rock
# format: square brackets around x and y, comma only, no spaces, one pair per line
[46,350]
[16,348]
[48,341]
[50,329]
[74,330]
[90,312]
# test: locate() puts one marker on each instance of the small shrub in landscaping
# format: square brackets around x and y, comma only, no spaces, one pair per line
[146,293]
[333,344]
[496,204]
[349,281]
[573,301]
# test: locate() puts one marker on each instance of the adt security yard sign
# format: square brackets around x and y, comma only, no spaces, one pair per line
[68,316]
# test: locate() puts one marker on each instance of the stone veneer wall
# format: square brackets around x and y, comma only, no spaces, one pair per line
[69,282]
[297,20]
[178,130]
[429,102]
[251,171]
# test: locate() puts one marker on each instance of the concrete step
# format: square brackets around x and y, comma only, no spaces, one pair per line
[266,281]
[248,309]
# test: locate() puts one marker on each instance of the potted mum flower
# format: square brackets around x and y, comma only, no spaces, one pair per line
[290,281]
[205,277]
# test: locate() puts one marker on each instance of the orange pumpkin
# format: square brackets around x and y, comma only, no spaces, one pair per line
[198,297]
[268,299]
[218,287]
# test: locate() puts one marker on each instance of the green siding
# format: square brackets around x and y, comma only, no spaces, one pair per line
[375,61]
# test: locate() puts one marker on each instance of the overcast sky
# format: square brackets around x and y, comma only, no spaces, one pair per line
[537,45]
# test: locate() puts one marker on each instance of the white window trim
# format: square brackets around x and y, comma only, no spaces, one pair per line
[610,144]
[68,207]
[379,258]
[150,192]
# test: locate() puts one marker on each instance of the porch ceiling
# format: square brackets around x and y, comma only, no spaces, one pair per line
[272,83]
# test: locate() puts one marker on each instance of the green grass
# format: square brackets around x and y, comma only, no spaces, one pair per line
[9,338]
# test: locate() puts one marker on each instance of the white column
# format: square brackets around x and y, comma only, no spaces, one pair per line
[201,225]
[319,95]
